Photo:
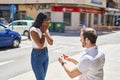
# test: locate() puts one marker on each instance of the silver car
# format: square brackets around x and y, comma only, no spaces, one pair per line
[21,26]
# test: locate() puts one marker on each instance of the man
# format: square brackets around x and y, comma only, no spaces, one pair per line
[90,66]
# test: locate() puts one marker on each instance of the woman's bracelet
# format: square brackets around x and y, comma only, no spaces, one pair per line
[43,34]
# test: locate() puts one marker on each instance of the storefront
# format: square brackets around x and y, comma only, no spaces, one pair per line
[5,11]
[74,17]
[111,16]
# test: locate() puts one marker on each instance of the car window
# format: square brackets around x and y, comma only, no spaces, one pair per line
[24,23]
[19,24]
[2,29]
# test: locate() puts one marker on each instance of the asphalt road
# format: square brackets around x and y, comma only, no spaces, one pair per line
[15,61]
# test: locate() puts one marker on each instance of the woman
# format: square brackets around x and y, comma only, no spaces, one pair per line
[40,36]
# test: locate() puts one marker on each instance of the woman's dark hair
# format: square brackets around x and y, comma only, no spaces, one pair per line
[39,20]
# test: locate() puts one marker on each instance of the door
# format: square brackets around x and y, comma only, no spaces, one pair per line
[5,38]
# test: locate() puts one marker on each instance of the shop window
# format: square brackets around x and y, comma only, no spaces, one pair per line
[20,15]
[67,19]
[89,21]
[95,19]
[48,14]
[112,4]
[82,18]
[102,19]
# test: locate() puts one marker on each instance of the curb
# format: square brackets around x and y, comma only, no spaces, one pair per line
[24,38]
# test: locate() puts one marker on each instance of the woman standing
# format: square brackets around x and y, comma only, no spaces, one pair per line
[40,36]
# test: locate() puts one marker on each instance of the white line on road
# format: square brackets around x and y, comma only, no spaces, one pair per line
[5,62]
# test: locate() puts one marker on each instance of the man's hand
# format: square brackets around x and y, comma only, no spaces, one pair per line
[66,57]
[61,59]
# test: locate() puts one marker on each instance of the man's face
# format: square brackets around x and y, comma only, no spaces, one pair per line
[82,39]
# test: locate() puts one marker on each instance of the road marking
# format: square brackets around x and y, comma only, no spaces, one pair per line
[5,62]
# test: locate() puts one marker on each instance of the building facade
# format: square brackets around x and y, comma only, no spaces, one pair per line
[74,13]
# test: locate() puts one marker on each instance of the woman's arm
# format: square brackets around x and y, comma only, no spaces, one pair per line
[39,41]
[49,38]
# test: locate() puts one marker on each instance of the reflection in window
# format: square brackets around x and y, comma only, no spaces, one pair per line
[67,19]
[95,19]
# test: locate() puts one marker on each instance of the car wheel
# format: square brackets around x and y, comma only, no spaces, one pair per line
[26,33]
[16,43]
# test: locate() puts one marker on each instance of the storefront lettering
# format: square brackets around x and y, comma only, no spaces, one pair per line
[76,9]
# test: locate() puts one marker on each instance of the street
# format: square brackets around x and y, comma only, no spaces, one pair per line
[16,61]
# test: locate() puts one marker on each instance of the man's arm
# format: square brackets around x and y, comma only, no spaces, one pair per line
[68,58]
[74,72]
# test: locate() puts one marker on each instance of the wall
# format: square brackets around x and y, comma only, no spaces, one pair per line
[30,10]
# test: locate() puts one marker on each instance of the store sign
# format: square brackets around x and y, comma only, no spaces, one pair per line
[65,8]
[96,2]
[76,9]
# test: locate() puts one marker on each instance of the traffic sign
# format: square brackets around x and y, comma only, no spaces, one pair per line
[12,8]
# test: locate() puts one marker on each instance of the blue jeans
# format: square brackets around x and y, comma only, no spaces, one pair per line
[39,61]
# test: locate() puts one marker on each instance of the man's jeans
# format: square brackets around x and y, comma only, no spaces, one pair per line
[39,61]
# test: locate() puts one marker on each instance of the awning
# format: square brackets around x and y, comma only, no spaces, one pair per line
[112,9]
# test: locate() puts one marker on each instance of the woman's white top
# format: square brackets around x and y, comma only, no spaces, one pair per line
[37,30]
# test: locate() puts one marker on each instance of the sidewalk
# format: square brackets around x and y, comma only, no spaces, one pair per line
[24,38]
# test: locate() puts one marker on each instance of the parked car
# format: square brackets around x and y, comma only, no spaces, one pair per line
[3,21]
[21,26]
[9,37]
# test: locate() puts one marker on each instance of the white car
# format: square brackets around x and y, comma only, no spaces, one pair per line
[21,26]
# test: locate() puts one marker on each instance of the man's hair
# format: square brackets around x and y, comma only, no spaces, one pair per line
[90,33]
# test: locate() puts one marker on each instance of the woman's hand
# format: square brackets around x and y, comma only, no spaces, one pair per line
[45,26]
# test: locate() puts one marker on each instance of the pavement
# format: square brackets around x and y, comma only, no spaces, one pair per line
[56,71]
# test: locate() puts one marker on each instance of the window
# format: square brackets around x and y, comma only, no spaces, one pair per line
[82,18]
[102,19]
[67,19]
[95,19]
[2,29]
[19,24]
[48,14]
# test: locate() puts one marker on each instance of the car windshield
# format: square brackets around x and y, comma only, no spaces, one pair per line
[2,28]
[3,21]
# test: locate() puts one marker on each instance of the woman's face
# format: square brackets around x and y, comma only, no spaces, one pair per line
[46,22]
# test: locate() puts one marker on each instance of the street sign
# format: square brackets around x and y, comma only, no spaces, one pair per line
[12,8]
